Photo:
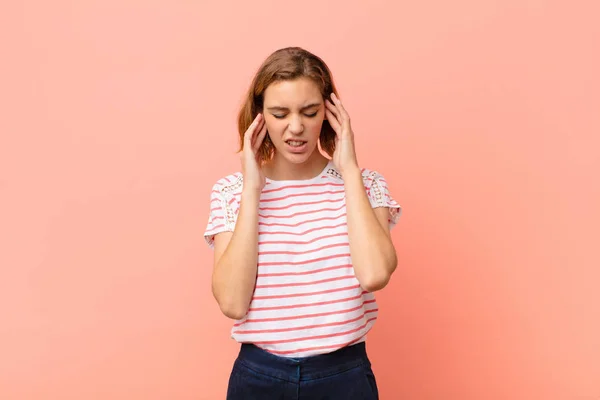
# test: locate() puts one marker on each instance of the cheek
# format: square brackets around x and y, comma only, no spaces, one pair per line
[314,126]
[274,127]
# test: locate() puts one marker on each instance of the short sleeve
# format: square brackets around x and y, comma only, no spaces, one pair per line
[380,196]
[222,216]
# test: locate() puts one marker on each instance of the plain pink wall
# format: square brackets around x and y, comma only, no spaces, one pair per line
[117,116]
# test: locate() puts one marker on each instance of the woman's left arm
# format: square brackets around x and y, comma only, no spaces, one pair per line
[371,248]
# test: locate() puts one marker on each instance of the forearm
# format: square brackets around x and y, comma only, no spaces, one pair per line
[235,272]
[371,248]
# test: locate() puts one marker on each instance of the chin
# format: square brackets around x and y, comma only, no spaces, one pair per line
[298,158]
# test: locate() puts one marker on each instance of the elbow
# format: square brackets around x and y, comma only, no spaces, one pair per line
[375,283]
[232,311]
[230,307]
[380,277]
[234,314]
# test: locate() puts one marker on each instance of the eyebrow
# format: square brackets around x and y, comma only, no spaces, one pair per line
[279,108]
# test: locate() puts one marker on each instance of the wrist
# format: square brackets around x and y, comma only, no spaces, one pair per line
[250,194]
[352,172]
[353,181]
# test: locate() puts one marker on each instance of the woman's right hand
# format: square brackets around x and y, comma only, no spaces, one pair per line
[254,178]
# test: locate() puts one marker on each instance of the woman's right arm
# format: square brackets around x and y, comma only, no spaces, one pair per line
[236,253]
[235,260]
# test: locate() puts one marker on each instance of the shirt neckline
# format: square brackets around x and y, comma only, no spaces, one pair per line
[300,181]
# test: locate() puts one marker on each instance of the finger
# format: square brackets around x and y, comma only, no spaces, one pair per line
[336,100]
[333,121]
[256,131]
[260,137]
[250,131]
[340,106]
[333,109]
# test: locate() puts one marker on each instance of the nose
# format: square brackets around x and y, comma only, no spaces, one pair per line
[296,127]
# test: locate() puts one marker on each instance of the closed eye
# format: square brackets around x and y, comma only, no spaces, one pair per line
[308,115]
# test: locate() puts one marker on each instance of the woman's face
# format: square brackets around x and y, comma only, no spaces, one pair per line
[294,112]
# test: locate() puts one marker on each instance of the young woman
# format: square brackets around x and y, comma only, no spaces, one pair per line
[301,241]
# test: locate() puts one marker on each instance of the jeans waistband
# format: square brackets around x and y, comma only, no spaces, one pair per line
[306,368]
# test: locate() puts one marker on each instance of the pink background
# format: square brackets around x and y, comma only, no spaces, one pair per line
[116,117]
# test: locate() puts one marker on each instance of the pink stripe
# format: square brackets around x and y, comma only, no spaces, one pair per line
[285,296]
[265,264]
[294,317]
[303,222]
[289,196]
[308,203]
[329,246]
[280,285]
[320,303]
[302,213]
[334,346]
[300,243]
[298,328]
[304,272]
[302,186]
[301,339]
[305,232]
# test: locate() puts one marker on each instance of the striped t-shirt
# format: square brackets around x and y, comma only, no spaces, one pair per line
[307,300]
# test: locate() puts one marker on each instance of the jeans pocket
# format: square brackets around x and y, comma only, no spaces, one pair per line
[236,382]
[247,384]
[371,381]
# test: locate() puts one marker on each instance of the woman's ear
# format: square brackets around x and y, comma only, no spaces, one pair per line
[267,144]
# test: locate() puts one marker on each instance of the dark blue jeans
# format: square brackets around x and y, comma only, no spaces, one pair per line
[344,374]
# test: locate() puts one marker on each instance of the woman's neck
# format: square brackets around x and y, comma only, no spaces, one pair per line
[280,169]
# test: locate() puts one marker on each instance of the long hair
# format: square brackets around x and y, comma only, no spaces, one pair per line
[286,64]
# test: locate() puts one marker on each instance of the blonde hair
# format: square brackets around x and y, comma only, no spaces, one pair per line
[286,64]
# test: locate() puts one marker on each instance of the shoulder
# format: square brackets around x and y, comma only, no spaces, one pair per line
[229,185]
[371,176]
[368,175]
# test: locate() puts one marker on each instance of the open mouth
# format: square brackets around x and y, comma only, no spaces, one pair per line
[295,143]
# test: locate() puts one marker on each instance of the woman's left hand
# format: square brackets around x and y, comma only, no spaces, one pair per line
[344,156]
